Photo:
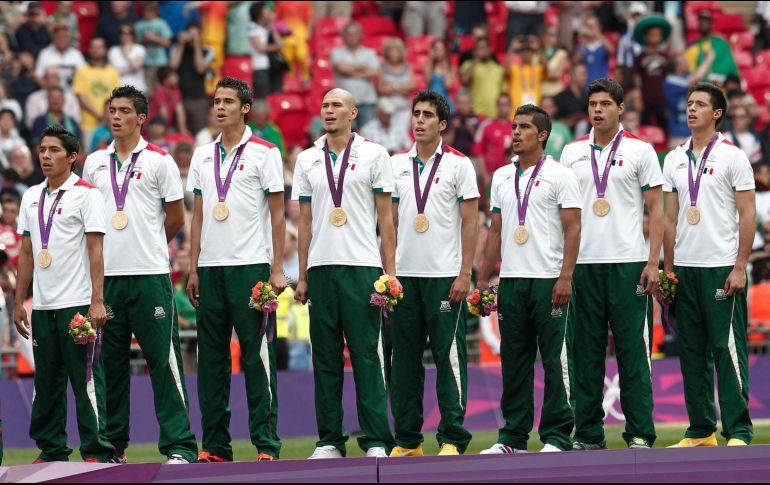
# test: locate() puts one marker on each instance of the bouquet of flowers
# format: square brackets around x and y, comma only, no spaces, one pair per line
[82,331]
[666,289]
[265,300]
[387,293]
[482,302]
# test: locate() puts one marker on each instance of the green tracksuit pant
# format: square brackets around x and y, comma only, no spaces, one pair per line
[144,306]
[712,331]
[57,358]
[340,313]
[608,296]
[426,312]
[527,323]
[224,304]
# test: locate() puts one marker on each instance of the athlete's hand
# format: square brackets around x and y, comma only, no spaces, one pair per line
[562,292]
[735,282]
[193,292]
[21,321]
[300,294]
[460,289]
[278,282]
[649,278]
[97,314]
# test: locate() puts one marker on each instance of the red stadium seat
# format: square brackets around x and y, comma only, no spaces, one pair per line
[377,25]
[742,41]
[695,7]
[375,42]
[88,15]
[743,59]
[654,135]
[465,42]
[756,77]
[728,23]
[761,95]
[419,44]
[326,28]
[288,111]
[324,48]
[282,102]
[238,67]
[763,58]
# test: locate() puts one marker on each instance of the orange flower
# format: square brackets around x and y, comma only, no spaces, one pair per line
[671,276]
[394,291]
[392,284]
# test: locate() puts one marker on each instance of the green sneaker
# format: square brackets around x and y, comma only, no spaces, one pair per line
[578,446]
[639,444]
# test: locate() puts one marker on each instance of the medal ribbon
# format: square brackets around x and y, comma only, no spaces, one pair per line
[337,190]
[521,207]
[117,193]
[45,228]
[223,188]
[601,185]
[695,186]
[422,199]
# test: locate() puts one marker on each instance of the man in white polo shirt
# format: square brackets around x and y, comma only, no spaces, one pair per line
[435,211]
[616,274]
[62,224]
[710,224]
[237,240]
[344,185]
[536,218]
[142,193]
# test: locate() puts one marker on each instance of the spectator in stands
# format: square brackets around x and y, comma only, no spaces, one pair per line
[341,10]
[494,138]
[12,15]
[355,69]
[723,64]
[128,58]
[22,80]
[213,23]
[388,128]
[298,18]
[54,116]
[631,120]
[525,18]
[154,33]
[484,77]
[9,103]
[183,153]
[209,132]
[594,50]
[157,133]
[238,19]
[628,48]
[167,101]
[467,15]
[37,102]
[9,135]
[33,34]
[650,69]
[177,14]
[6,55]
[108,26]
[396,81]
[740,134]
[191,59]
[524,71]
[424,18]
[675,89]
[572,105]
[480,32]
[267,72]
[560,132]
[763,26]
[60,54]
[762,181]
[439,73]
[21,162]
[556,61]
[93,84]
[103,134]
[263,127]
[64,15]
[463,124]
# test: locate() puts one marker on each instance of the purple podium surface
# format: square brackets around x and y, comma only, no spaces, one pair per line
[142,473]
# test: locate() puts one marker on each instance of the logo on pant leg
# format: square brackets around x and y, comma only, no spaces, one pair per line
[159,312]
[720,294]
[639,290]
[556,313]
[445,307]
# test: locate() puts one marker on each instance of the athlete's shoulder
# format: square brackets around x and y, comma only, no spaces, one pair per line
[255,140]
[579,140]
[86,185]
[454,151]
[156,149]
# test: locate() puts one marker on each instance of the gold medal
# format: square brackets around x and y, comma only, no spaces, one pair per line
[693,215]
[119,220]
[521,235]
[421,223]
[44,258]
[601,207]
[338,217]
[221,212]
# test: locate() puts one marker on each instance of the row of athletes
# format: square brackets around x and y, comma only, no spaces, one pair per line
[348,188]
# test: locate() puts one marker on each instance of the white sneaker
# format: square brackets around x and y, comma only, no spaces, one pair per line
[376,452]
[177,460]
[501,449]
[324,452]
[549,448]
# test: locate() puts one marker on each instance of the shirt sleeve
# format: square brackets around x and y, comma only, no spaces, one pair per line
[568,191]
[466,186]
[741,173]
[193,176]
[669,164]
[495,204]
[93,213]
[271,172]
[302,190]
[169,180]
[649,174]
[394,168]
[87,175]
[22,225]
[382,173]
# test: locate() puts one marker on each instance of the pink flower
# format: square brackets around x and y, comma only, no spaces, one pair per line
[273,305]
[378,300]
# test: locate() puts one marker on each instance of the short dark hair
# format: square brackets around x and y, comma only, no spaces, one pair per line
[434,99]
[718,99]
[68,140]
[609,86]
[137,98]
[255,11]
[245,95]
[55,88]
[540,119]
[163,73]
[6,111]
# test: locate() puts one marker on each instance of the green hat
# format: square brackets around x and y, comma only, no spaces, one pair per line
[648,22]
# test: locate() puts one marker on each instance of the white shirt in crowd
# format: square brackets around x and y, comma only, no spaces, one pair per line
[123,63]
[67,62]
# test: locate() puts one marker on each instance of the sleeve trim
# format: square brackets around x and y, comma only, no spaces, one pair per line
[395,200]
[305,198]
[197,192]
[26,234]
[496,210]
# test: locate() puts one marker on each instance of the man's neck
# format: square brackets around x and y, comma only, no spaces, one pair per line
[603,138]
[98,63]
[57,181]
[231,136]
[58,116]
[125,145]
[701,137]
[426,149]
[338,141]
[527,160]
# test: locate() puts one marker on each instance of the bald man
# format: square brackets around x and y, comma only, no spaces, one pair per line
[344,184]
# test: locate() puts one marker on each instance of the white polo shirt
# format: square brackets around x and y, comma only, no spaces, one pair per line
[245,237]
[714,241]
[617,237]
[67,281]
[555,188]
[369,172]
[436,252]
[140,248]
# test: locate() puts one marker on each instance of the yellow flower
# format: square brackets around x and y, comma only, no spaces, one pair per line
[379,286]
[474,310]
[384,278]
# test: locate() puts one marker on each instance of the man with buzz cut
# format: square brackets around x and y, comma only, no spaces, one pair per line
[536,208]
[616,273]
[237,241]
[435,207]
[344,184]
[710,224]
[61,222]
[143,197]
